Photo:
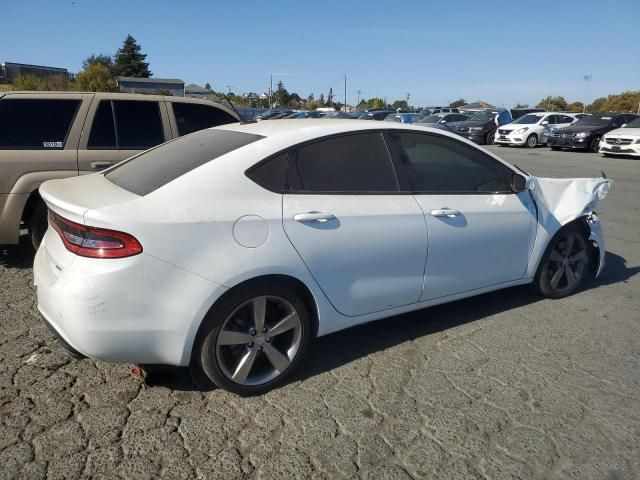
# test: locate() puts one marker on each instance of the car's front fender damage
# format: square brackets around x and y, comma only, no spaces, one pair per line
[564,200]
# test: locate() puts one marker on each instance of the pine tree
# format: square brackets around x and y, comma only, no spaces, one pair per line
[129,62]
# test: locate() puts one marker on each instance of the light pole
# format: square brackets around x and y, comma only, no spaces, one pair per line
[358,102]
[345,92]
[587,79]
[408,95]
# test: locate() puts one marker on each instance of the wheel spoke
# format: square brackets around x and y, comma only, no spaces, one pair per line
[244,367]
[259,311]
[279,361]
[556,256]
[228,337]
[581,255]
[287,323]
[557,276]
[568,245]
[571,276]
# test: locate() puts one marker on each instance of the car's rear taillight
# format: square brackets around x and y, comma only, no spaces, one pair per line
[92,241]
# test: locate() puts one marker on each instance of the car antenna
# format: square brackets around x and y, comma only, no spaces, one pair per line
[233,107]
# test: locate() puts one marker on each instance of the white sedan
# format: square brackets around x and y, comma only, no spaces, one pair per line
[230,249]
[529,130]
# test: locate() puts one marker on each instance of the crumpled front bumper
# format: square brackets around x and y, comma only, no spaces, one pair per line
[597,238]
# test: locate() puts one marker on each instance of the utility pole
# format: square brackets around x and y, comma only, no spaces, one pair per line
[358,102]
[587,79]
[345,92]
[408,95]
[270,89]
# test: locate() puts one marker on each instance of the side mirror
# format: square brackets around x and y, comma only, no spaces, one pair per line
[545,123]
[518,183]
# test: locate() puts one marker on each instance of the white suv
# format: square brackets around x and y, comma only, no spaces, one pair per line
[622,141]
[527,130]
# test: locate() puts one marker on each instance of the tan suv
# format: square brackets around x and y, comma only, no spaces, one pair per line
[50,135]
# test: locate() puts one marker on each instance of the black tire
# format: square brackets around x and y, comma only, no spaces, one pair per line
[594,144]
[38,224]
[555,148]
[531,141]
[550,281]
[489,139]
[206,368]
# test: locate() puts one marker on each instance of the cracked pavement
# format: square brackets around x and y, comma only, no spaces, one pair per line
[502,386]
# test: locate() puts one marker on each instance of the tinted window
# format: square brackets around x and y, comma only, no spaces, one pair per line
[351,163]
[151,170]
[36,123]
[192,117]
[103,133]
[439,164]
[271,173]
[139,124]
[565,119]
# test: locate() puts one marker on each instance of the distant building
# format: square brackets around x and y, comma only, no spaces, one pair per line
[162,86]
[477,105]
[9,71]
[196,91]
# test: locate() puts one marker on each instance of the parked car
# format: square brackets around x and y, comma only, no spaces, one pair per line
[349,115]
[376,114]
[444,121]
[268,114]
[434,110]
[527,130]
[267,235]
[404,117]
[516,113]
[306,114]
[622,141]
[586,133]
[281,115]
[48,135]
[481,128]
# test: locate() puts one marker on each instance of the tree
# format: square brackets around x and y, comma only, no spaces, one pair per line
[622,102]
[129,61]
[96,78]
[597,106]
[100,58]
[28,82]
[330,97]
[400,104]
[207,86]
[281,94]
[458,103]
[522,105]
[321,99]
[552,104]
[575,107]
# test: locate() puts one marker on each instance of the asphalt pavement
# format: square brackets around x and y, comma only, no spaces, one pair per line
[506,385]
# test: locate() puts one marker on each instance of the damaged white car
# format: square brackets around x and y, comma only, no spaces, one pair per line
[230,249]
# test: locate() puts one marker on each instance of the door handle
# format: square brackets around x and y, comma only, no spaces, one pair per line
[445,212]
[100,165]
[313,217]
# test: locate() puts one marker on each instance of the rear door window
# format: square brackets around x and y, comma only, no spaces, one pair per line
[126,125]
[151,170]
[358,163]
[36,124]
[191,117]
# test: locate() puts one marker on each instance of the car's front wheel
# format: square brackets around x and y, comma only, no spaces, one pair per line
[489,139]
[564,265]
[532,141]
[253,339]
[594,145]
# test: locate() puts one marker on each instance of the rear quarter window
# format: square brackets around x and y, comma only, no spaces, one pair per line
[155,168]
[36,124]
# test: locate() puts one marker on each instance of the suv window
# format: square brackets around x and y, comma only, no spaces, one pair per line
[191,117]
[439,164]
[351,163]
[138,125]
[36,123]
[151,170]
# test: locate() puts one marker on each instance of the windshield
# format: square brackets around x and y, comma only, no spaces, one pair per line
[594,121]
[483,116]
[633,124]
[528,119]
[431,119]
[392,117]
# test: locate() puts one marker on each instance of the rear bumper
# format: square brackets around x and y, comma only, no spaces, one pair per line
[137,309]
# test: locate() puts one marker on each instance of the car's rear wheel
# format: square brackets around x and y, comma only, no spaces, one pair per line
[532,141]
[38,224]
[253,340]
[564,265]
[489,138]
[594,145]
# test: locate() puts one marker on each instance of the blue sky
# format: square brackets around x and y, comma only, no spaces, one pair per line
[501,52]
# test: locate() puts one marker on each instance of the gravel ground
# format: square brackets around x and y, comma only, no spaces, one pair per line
[505,385]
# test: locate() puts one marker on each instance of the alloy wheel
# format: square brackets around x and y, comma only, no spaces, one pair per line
[532,141]
[259,340]
[567,262]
